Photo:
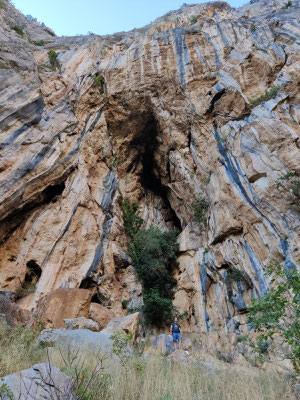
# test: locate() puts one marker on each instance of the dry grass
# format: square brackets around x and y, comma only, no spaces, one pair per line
[155,378]
[160,380]
[17,350]
[145,378]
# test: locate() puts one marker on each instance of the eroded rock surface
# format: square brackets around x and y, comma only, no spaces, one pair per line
[173,120]
[41,381]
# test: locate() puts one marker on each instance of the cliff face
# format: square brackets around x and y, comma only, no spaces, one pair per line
[175,120]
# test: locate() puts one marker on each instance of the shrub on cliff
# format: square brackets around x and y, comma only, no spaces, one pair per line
[200,207]
[153,254]
[278,313]
[131,218]
[18,29]
[268,95]
[100,82]
[52,55]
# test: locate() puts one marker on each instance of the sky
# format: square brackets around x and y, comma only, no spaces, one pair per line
[71,17]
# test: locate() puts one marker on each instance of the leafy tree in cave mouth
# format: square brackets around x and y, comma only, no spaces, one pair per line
[153,253]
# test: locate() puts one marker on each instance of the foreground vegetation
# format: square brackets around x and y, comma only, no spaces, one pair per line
[17,348]
[154,257]
[277,314]
[138,377]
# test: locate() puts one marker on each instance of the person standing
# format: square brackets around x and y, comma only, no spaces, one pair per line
[175,332]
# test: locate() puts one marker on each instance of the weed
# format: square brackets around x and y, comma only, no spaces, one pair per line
[5,392]
[100,82]
[19,30]
[38,43]
[119,348]
[287,5]
[200,207]
[235,275]
[268,95]
[193,19]
[54,63]
[252,28]
[2,65]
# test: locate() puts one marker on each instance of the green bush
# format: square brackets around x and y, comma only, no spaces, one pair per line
[18,29]
[200,207]
[193,19]
[291,184]
[268,95]
[54,63]
[235,275]
[287,5]
[38,43]
[131,218]
[2,65]
[100,82]
[153,255]
[252,28]
[278,313]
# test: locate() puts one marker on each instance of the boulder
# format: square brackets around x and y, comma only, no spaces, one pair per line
[13,314]
[41,381]
[11,295]
[179,356]
[164,344]
[100,314]
[63,304]
[187,344]
[81,323]
[127,324]
[83,339]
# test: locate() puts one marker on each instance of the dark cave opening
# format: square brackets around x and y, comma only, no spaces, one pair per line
[32,276]
[146,143]
[34,271]
[87,283]
[52,192]
[95,299]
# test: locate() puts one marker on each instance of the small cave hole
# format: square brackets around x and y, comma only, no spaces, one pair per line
[32,276]
[51,192]
[34,272]
[95,299]
[87,283]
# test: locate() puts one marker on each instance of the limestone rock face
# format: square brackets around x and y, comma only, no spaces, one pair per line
[181,114]
[128,324]
[81,323]
[62,304]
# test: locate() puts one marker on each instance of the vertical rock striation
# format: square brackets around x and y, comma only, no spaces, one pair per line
[174,119]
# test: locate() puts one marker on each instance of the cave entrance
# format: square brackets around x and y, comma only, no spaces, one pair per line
[32,276]
[146,143]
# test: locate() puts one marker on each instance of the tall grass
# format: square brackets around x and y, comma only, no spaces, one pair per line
[149,377]
[17,348]
[156,378]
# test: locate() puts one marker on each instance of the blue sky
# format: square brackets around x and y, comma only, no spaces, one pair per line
[71,17]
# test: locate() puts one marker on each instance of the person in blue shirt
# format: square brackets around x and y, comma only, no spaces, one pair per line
[175,332]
